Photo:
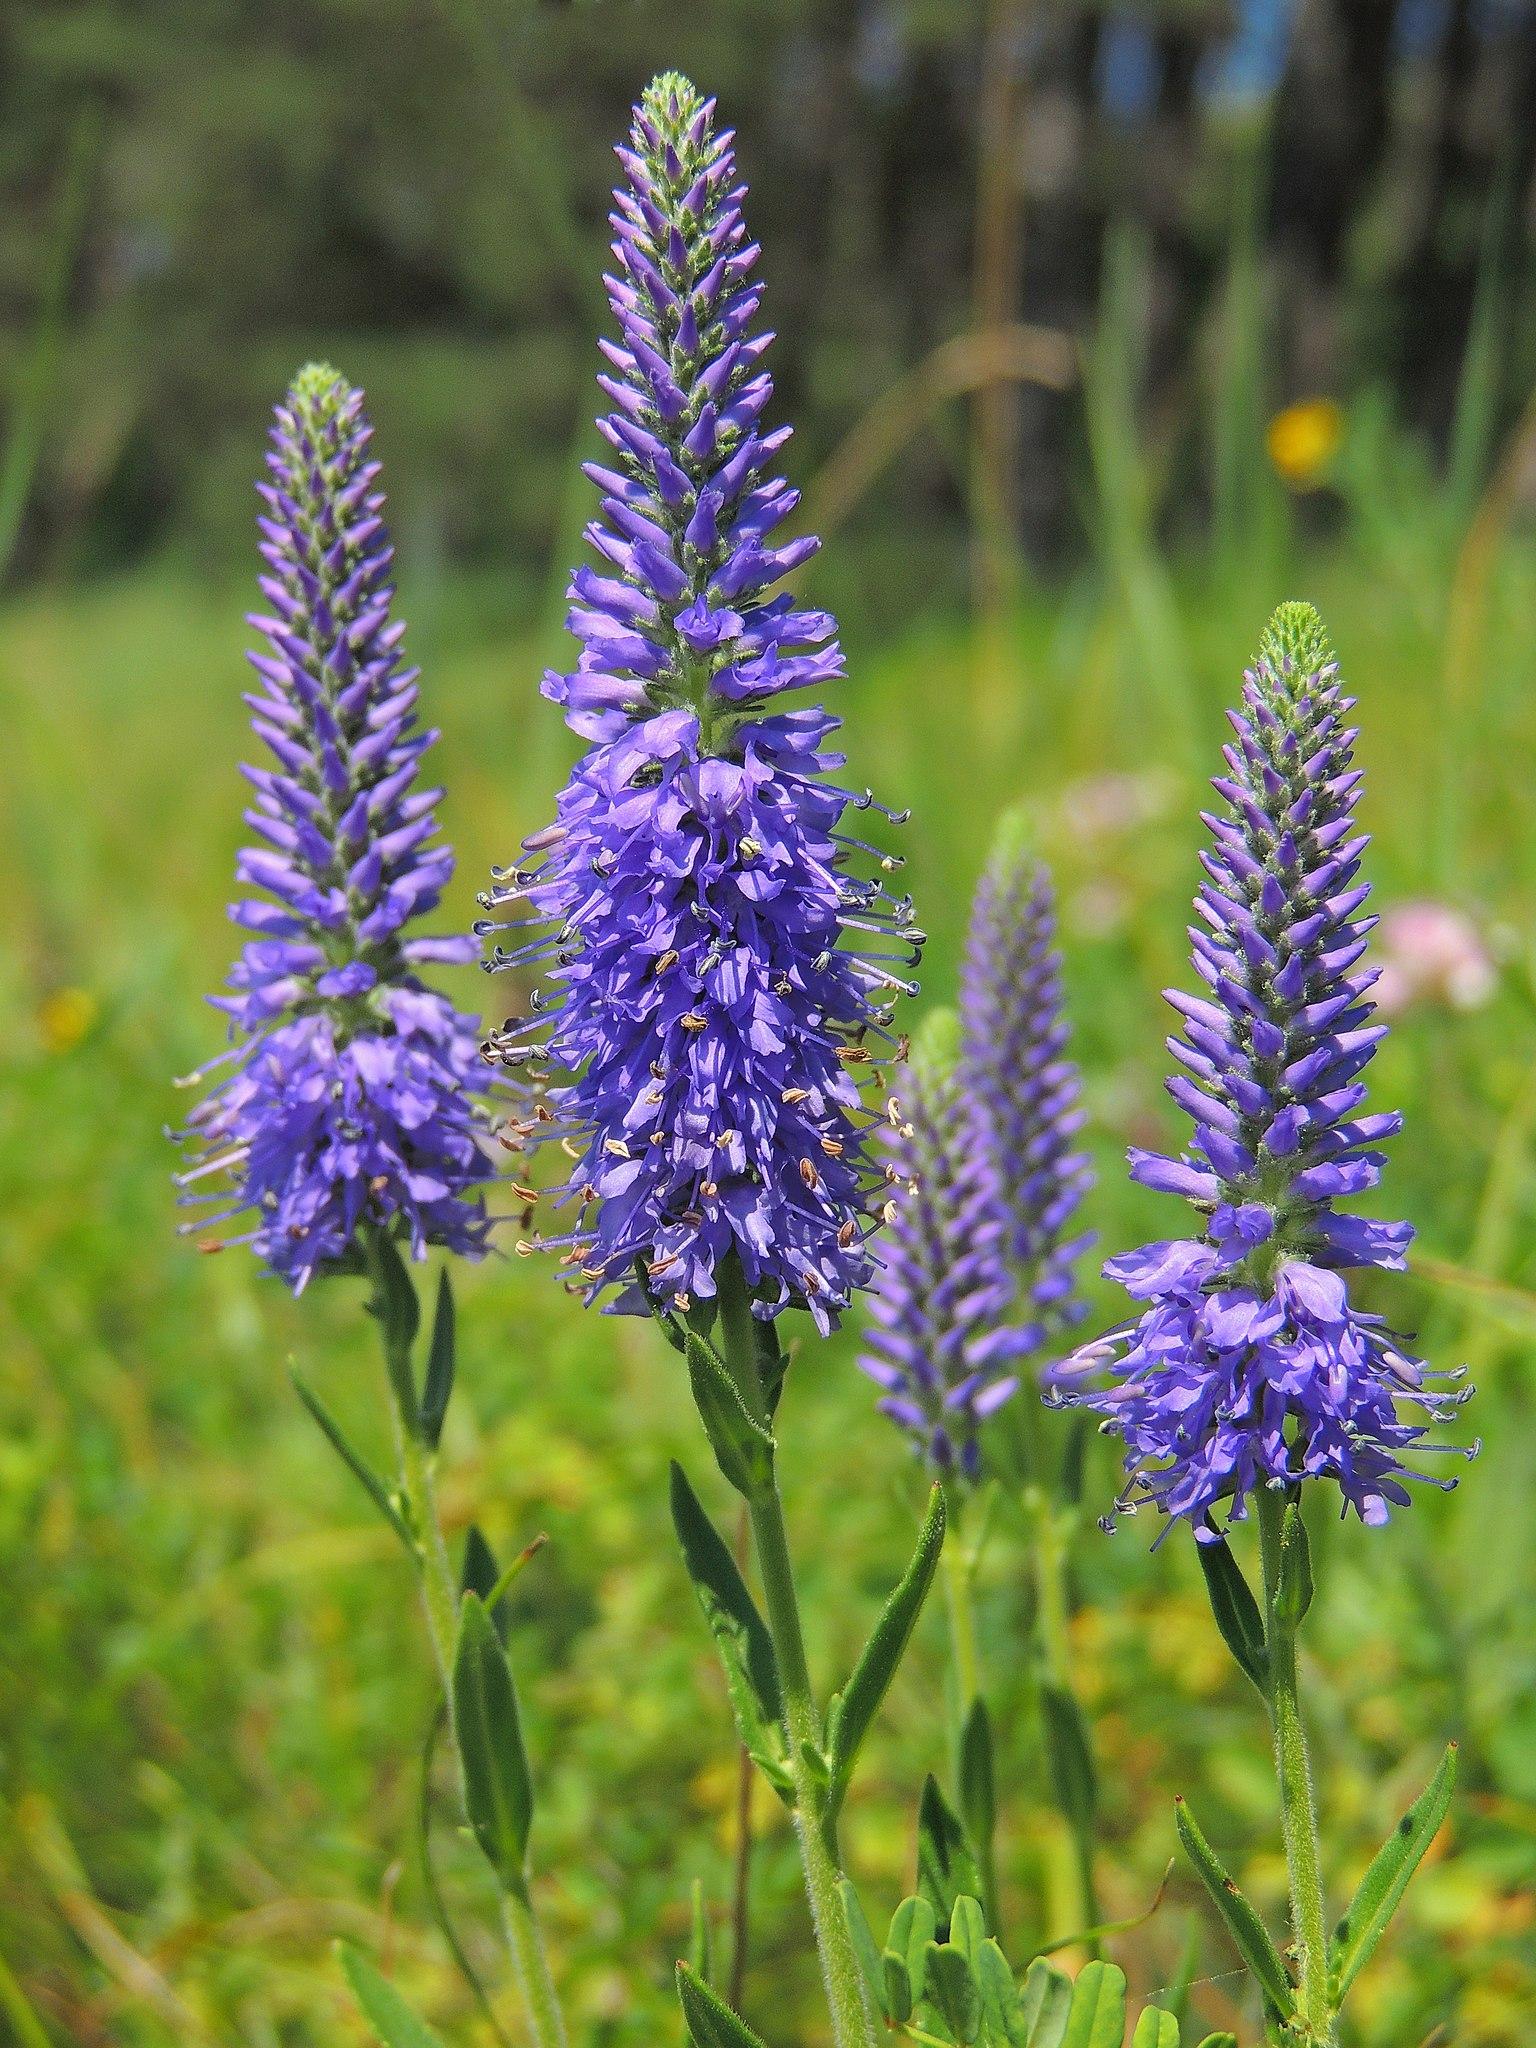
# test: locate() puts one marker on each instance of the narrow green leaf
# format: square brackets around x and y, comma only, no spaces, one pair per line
[353,1459]
[1156,2029]
[772,1362]
[711,2022]
[743,1448]
[1235,1608]
[978,1795]
[740,1633]
[1243,1923]
[399,1308]
[1293,1585]
[498,1786]
[1002,2011]
[699,1945]
[1382,1887]
[865,1947]
[391,2019]
[953,1990]
[1071,1760]
[1097,2018]
[440,1364]
[913,1925]
[877,1663]
[946,1862]
[1046,2003]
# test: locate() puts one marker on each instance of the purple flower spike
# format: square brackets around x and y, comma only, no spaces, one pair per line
[349,1095]
[710,1027]
[1249,1365]
[942,1342]
[1013,1054]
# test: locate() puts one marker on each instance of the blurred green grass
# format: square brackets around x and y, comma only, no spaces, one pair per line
[213,1687]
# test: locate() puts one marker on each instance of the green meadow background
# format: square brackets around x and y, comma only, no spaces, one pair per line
[214,1687]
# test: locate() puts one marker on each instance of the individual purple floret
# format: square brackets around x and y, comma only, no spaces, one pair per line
[351,1094]
[710,1027]
[942,1340]
[1013,1064]
[1250,1365]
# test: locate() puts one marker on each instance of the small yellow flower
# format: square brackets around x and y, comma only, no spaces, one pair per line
[65,1016]
[1303,440]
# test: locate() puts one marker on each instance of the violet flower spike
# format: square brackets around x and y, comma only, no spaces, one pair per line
[709,1026]
[350,1095]
[942,1341]
[1024,1088]
[1250,1365]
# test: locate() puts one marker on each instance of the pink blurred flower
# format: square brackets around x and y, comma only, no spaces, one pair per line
[1432,953]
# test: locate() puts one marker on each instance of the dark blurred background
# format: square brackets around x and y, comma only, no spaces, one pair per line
[1246,203]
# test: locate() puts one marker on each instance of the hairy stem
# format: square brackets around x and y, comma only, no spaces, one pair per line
[1298,1807]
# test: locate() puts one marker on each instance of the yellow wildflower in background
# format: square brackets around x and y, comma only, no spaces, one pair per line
[64,1017]
[1303,440]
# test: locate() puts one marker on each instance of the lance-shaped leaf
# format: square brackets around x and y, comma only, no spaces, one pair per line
[382,2006]
[1156,2029]
[1382,1887]
[740,1633]
[481,1574]
[1235,1608]
[353,1459]
[1071,1760]
[904,1965]
[850,1717]
[1293,1581]
[1097,2018]
[865,1947]
[1046,2002]
[711,2022]
[700,1946]
[1243,1923]
[743,1448]
[438,1385]
[498,1785]
[396,1306]
[946,1862]
[953,1990]
[978,1795]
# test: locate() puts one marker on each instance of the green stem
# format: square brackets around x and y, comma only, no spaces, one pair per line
[1048,1560]
[417,1480]
[853,2022]
[960,1561]
[1298,1808]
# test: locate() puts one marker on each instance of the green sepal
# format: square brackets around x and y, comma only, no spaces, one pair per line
[498,1785]
[743,1448]
[480,1573]
[1097,2018]
[977,1787]
[848,1722]
[1243,1923]
[953,1990]
[1156,2029]
[740,1633]
[1046,2003]
[946,1862]
[1071,1760]
[1381,1889]
[1236,1610]
[438,1386]
[386,2012]
[711,2022]
[904,1963]
[1293,1580]
[865,1948]
[1002,2010]
[353,1459]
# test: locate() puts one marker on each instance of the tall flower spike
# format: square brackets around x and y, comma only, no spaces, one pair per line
[710,1027]
[1250,1366]
[350,1095]
[1013,1060]
[942,1342]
